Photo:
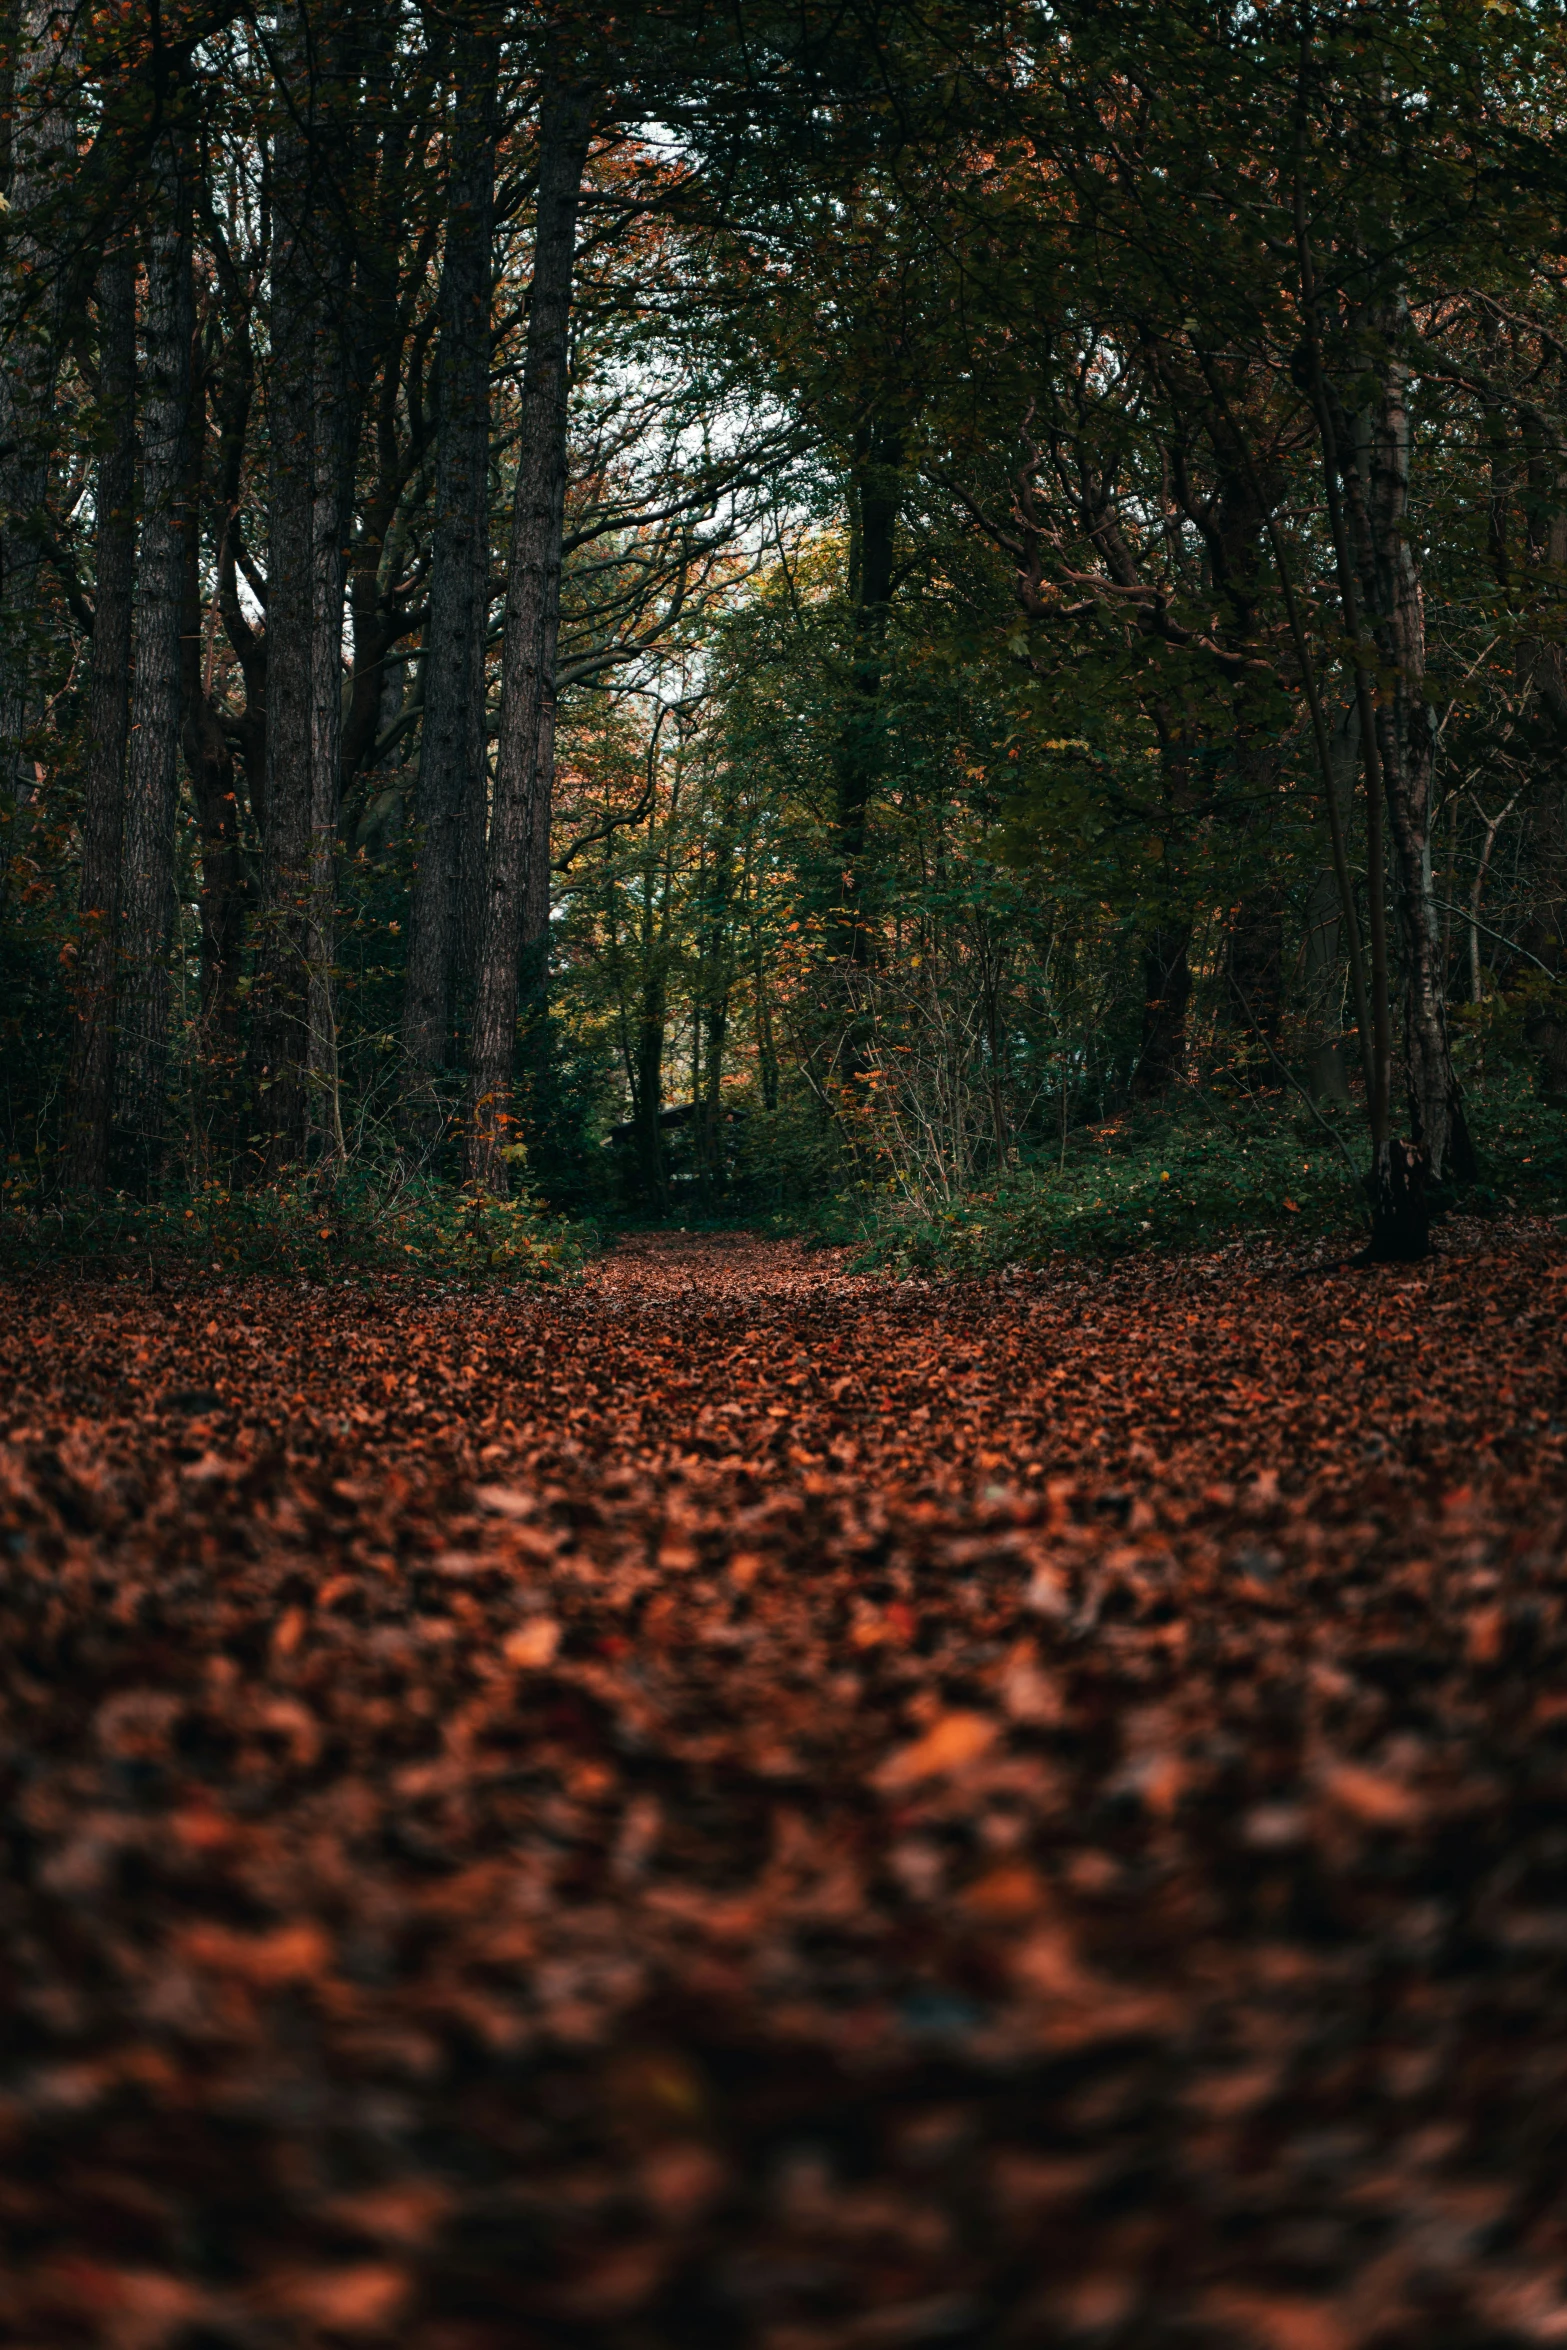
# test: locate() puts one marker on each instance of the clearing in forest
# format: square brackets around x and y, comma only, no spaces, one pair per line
[742,1805]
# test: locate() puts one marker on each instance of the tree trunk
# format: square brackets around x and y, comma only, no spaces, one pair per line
[1235,529]
[1406,744]
[312,441]
[1400,1210]
[152,785]
[42,152]
[209,762]
[280,996]
[451,777]
[1167,987]
[474,815]
[1324,960]
[330,505]
[648,1087]
[233,400]
[876,497]
[516,895]
[1541,667]
[85,1166]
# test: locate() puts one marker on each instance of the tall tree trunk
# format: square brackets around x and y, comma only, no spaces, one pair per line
[42,153]
[713,997]
[876,496]
[516,893]
[85,1165]
[1541,668]
[152,783]
[209,763]
[1406,731]
[312,437]
[474,814]
[1235,525]
[648,1084]
[233,400]
[451,777]
[1326,935]
[331,499]
[281,994]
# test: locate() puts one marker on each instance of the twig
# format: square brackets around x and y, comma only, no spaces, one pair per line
[1510,943]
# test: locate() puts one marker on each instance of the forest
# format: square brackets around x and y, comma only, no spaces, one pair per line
[941,618]
[783,1063]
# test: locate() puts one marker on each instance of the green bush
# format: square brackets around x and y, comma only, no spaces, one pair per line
[1196,1178]
[362,1222]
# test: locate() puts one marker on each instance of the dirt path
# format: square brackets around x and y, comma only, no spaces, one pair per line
[738,1806]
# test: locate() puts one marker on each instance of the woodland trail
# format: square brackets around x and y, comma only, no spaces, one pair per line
[740,1807]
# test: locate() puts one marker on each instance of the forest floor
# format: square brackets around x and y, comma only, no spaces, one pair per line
[738,1806]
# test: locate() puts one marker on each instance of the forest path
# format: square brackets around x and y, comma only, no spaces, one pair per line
[742,1267]
[738,1804]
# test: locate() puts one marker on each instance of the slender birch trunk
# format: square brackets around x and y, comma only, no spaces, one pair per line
[449,804]
[85,1164]
[516,898]
[152,782]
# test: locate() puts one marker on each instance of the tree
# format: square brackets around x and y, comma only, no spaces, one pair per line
[146,895]
[450,810]
[517,859]
[85,1156]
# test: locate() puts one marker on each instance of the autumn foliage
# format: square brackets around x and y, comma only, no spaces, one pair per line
[742,1805]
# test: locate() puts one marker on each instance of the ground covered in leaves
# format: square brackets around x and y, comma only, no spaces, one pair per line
[741,1807]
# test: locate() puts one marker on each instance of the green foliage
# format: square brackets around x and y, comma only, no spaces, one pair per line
[1194,1180]
[367,1223]
[1186,1180]
[1521,1141]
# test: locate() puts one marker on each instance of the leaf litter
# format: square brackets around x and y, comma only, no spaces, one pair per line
[745,1805]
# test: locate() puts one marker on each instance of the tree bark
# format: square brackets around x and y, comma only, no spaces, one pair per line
[516,893]
[152,783]
[85,1163]
[1324,968]
[1407,737]
[1541,669]
[233,402]
[312,440]
[876,499]
[42,151]
[331,500]
[449,804]
[281,989]
[648,1083]
[209,763]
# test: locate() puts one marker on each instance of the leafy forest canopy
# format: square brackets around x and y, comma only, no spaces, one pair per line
[685,607]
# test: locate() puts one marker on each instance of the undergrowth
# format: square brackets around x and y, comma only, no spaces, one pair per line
[365,1222]
[1190,1179]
